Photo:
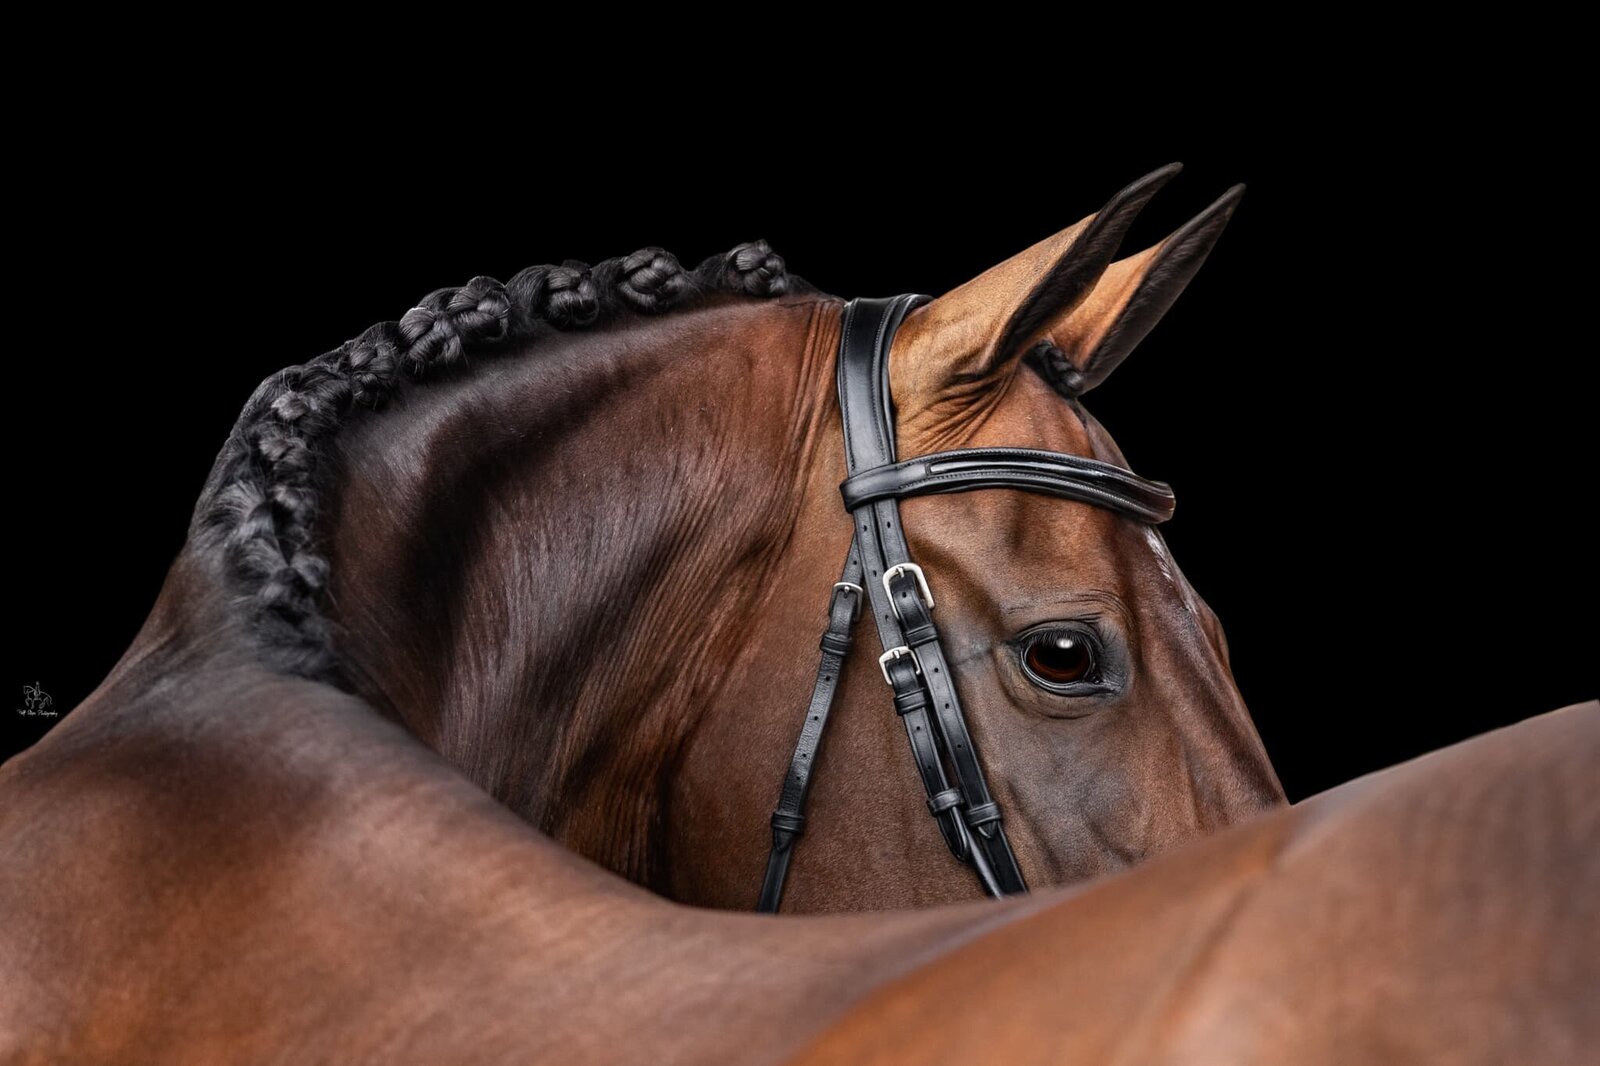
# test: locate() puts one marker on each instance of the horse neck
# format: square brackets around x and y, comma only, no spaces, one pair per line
[544,568]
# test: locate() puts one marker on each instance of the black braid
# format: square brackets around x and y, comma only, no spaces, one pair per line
[1052,363]
[438,330]
[565,296]
[650,280]
[752,268]
[261,506]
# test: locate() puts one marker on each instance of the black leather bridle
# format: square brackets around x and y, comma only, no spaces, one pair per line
[879,566]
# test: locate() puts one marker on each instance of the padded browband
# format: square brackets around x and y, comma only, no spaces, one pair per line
[1071,477]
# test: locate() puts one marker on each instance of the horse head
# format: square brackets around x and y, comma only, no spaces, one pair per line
[577,533]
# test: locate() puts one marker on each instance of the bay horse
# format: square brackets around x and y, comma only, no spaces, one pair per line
[566,529]
[263,837]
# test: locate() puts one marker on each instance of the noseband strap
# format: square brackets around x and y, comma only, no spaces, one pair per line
[879,568]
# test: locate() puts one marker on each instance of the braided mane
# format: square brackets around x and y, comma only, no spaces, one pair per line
[259,507]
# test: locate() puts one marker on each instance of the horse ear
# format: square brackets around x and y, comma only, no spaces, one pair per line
[977,333]
[1082,347]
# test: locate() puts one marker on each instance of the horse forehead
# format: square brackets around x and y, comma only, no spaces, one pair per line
[1031,415]
[998,537]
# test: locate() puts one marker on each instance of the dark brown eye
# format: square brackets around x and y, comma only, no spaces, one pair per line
[1058,657]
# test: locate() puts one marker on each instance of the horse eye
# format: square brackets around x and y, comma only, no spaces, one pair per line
[1057,658]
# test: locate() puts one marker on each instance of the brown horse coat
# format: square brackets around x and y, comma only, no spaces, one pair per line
[234,867]
[213,858]
[1444,910]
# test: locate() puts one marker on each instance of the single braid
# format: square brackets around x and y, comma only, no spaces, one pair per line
[438,331]
[1052,363]
[262,505]
[565,296]
[649,281]
[752,268]
[372,363]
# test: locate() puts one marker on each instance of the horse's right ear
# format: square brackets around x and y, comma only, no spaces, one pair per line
[974,336]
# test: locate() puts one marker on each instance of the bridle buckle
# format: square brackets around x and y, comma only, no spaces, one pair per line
[895,653]
[915,571]
[855,603]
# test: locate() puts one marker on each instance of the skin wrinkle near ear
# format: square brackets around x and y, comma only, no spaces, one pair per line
[954,417]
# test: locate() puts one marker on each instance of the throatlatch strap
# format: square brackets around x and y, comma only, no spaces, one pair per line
[789,820]
[863,568]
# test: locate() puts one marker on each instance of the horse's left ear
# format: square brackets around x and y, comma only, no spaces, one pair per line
[1082,347]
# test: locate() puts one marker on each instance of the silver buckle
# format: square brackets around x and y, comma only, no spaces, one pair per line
[895,653]
[915,571]
[855,604]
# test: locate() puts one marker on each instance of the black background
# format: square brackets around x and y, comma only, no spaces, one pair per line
[1375,401]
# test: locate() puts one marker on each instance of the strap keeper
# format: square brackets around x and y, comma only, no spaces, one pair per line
[793,823]
[940,802]
[785,827]
[983,814]
[912,700]
[835,643]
